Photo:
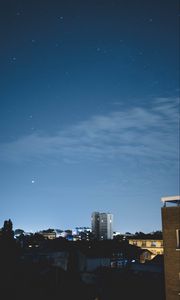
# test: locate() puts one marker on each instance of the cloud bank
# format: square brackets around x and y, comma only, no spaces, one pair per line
[148,132]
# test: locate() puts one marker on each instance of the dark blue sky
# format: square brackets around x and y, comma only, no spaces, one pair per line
[89,111]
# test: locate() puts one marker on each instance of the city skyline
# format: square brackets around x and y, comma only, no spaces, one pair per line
[89,117]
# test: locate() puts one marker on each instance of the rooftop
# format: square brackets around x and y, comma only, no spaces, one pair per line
[171,199]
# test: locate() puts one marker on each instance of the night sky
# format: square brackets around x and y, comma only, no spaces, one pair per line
[88,111]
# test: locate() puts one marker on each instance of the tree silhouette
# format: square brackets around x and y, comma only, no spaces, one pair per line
[7,230]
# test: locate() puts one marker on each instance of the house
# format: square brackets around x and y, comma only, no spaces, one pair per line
[154,246]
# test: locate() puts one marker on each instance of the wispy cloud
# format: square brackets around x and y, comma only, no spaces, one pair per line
[150,133]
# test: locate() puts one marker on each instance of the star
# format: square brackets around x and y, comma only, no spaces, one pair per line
[60,18]
[32,181]
[19,12]
[12,59]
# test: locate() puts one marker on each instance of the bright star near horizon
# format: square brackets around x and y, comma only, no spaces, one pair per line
[32,181]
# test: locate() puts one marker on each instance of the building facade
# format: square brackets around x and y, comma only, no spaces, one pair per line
[171,236]
[102,225]
[49,235]
[154,246]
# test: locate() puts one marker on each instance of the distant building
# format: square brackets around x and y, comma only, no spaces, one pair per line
[78,230]
[116,233]
[82,233]
[48,234]
[102,225]
[154,246]
[95,224]
[171,236]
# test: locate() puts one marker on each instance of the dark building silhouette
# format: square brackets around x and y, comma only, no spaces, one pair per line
[171,236]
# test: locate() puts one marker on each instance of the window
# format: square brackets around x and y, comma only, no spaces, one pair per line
[177,238]
[153,244]
[143,243]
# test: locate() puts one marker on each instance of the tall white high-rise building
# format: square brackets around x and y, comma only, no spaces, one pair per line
[102,225]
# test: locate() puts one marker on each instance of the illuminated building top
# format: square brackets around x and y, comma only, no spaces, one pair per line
[171,199]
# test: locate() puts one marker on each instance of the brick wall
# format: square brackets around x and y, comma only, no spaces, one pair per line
[170,223]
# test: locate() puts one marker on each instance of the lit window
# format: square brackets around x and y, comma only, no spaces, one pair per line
[153,244]
[177,238]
